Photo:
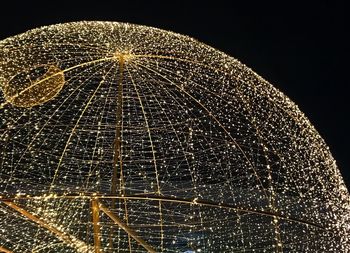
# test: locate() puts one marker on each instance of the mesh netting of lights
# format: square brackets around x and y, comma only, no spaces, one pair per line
[124,138]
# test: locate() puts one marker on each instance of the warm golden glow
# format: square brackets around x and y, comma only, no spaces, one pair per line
[34,86]
[124,138]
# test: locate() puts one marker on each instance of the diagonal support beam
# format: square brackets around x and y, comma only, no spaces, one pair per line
[132,233]
[4,250]
[70,240]
[96,223]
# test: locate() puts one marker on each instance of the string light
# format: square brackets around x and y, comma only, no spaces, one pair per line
[124,138]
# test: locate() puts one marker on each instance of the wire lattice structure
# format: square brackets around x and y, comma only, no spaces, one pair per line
[124,138]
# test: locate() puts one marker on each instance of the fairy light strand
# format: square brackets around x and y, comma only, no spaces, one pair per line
[124,138]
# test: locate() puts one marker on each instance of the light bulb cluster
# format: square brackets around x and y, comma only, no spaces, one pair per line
[124,138]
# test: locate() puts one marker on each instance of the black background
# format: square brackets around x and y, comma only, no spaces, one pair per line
[298,47]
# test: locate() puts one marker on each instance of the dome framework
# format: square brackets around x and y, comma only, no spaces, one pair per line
[124,138]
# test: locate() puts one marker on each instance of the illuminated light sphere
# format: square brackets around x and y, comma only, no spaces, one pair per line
[124,138]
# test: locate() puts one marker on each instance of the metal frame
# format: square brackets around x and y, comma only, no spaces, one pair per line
[81,246]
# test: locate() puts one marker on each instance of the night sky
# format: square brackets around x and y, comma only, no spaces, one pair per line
[299,48]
